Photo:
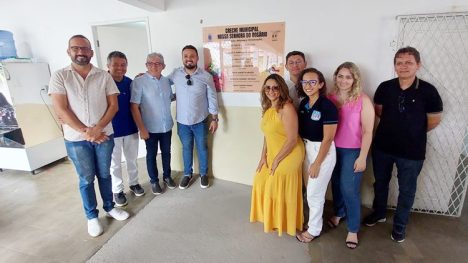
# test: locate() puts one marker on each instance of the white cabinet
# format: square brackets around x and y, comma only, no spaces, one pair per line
[30,137]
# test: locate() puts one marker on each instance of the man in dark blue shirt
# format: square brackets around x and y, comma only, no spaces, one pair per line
[125,132]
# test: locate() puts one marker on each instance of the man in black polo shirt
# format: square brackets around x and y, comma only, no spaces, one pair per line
[408,108]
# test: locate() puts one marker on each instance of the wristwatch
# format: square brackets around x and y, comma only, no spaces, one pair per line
[215,119]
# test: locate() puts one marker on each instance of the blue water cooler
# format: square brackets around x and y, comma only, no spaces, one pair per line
[7,45]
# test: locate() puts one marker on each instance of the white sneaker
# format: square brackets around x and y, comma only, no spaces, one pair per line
[94,227]
[118,214]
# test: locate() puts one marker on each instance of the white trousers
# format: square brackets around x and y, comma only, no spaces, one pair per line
[317,187]
[129,145]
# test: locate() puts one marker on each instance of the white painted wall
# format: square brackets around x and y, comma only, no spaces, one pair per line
[122,38]
[44,34]
[329,32]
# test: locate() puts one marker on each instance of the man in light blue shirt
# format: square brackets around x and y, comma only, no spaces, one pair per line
[196,99]
[151,110]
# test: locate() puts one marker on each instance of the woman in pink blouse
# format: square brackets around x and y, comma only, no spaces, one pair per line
[353,139]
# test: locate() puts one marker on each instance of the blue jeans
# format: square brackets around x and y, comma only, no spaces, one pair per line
[164,140]
[407,174]
[90,160]
[187,134]
[346,188]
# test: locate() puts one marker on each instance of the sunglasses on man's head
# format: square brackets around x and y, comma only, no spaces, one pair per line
[189,80]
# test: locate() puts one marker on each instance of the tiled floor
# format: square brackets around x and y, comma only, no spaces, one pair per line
[41,220]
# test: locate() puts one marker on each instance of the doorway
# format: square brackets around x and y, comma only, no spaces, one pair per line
[132,37]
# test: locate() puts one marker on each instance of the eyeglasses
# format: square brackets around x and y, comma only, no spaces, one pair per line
[189,81]
[77,48]
[154,64]
[311,82]
[401,103]
[270,88]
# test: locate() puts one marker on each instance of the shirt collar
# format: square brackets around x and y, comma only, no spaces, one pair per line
[198,70]
[306,100]
[122,80]
[91,72]
[151,77]
[414,85]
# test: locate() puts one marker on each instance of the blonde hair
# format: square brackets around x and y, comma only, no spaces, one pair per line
[356,88]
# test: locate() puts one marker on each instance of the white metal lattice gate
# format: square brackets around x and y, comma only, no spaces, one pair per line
[442,40]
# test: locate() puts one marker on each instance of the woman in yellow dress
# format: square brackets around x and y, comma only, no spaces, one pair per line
[277,188]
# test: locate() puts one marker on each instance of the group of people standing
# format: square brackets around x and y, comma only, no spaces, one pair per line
[103,111]
[312,136]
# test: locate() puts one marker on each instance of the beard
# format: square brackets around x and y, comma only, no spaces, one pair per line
[81,60]
[190,65]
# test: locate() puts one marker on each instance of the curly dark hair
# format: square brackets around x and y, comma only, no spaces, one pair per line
[321,79]
[283,90]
